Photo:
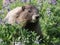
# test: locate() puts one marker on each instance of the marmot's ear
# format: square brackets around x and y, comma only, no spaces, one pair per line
[23,8]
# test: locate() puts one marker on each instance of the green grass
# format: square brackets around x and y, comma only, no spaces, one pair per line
[50,25]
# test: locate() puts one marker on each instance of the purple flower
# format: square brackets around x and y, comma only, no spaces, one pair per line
[52,1]
[25,1]
[7,1]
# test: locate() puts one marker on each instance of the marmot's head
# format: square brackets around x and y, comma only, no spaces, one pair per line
[29,14]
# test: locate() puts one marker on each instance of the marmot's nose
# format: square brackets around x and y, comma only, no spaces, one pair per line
[37,17]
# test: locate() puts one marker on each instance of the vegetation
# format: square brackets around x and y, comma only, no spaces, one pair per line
[49,22]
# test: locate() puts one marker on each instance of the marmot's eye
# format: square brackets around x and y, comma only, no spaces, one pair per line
[29,11]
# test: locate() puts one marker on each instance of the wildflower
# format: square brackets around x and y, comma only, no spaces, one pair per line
[52,1]
[48,11]
[6,4]
[39,6]
[1,21]
[23,0]
[1,11]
